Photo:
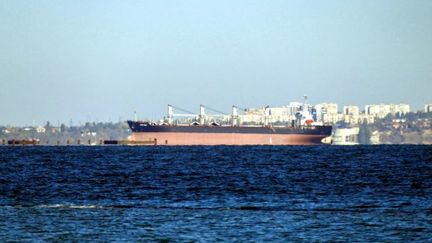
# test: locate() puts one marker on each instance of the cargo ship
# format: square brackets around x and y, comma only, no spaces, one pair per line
[301,131]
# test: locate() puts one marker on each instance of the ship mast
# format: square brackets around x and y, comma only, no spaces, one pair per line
[170,114]
[304,102]
[266,115]
[234,116]
[202,115]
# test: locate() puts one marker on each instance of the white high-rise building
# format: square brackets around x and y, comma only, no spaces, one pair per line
[382,110]
[351,110]
[327,112]
[252,115]
[428,108]
[351,114]
[293,108]
[281,114]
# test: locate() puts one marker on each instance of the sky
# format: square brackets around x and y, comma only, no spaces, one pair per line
[76,61]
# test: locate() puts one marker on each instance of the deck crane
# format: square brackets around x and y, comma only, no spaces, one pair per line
[171,113]
[234,115]
[220,113]
[202,115]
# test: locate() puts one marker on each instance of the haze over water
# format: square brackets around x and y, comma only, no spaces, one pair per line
[103,60]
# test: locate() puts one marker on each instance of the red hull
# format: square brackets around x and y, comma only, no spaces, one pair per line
[176,138]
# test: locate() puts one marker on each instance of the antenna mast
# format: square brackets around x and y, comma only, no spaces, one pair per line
[304,102]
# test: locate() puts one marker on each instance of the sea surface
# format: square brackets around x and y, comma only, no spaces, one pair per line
[219,193]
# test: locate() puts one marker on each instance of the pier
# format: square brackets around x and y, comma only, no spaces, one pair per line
[78,142]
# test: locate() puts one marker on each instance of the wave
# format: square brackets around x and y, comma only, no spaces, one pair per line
[72,206]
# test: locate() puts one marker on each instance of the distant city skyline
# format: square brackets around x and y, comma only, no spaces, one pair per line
[104,60]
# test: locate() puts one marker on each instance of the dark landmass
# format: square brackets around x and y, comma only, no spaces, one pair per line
[90,133]
[411,128]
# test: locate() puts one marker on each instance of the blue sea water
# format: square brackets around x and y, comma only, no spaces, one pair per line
[222,193]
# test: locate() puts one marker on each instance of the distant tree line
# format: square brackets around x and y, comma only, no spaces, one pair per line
[90,131]
[410,128]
